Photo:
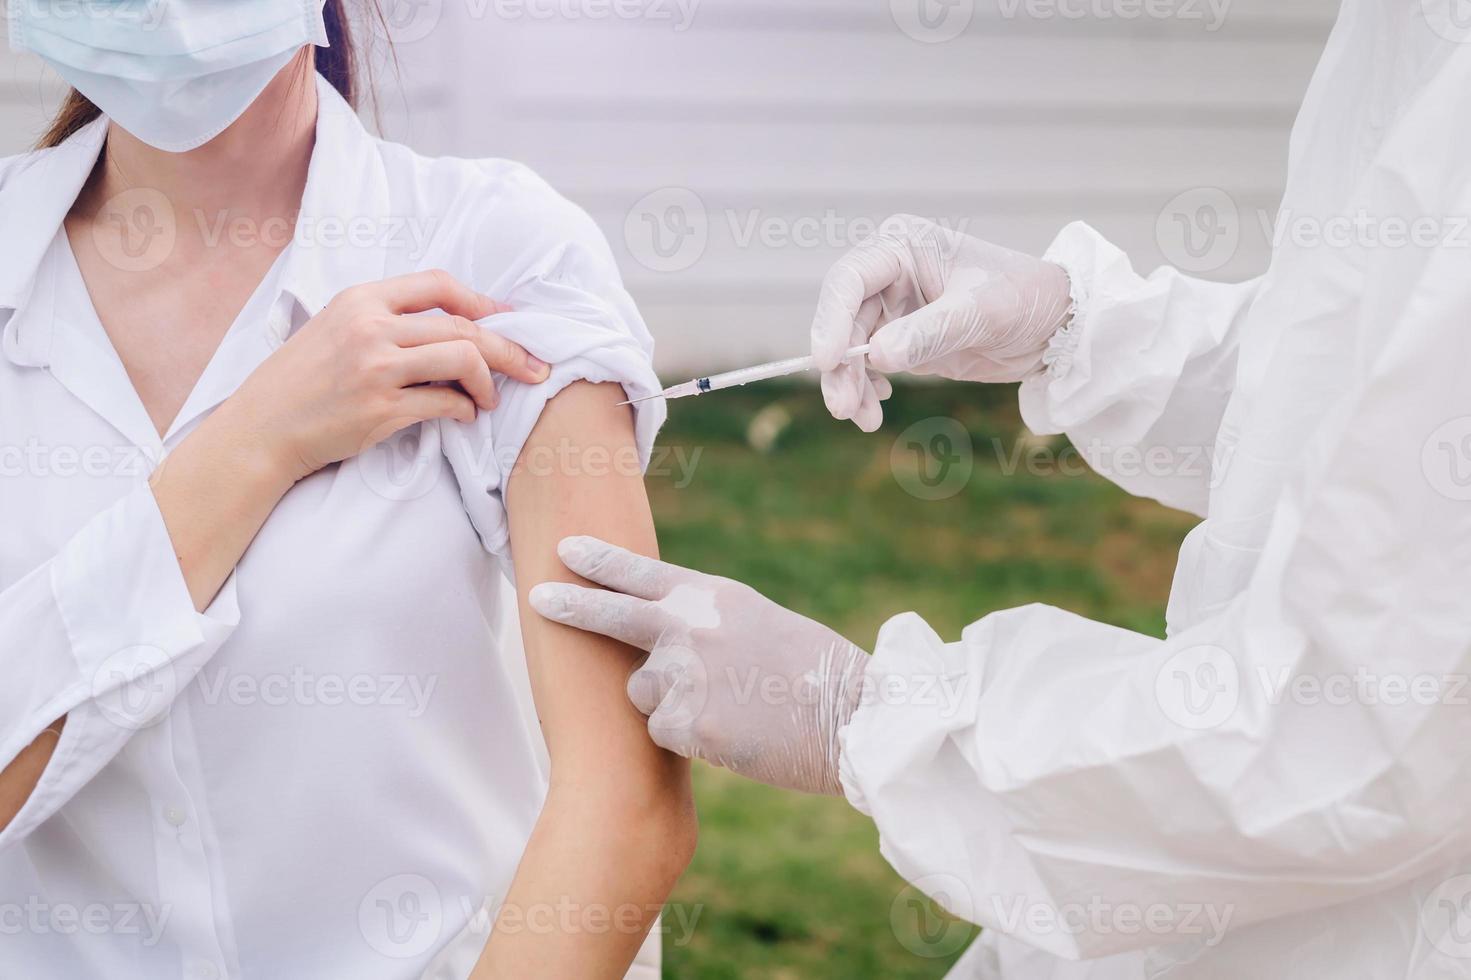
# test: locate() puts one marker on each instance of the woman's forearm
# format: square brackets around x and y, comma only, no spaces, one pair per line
[590,885]
[215,492]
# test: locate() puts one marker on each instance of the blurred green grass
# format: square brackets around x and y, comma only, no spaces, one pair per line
[792,886]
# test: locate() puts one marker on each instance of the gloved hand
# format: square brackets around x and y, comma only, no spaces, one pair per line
[934,301]
[731,677]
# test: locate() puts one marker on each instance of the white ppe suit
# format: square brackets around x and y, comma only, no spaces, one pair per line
[1282,788]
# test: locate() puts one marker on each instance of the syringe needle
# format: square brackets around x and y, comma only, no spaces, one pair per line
[734,379]
[646,398]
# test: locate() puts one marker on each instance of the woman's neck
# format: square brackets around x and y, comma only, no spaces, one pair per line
[255,170]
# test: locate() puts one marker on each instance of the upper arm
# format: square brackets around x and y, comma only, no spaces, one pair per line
[579,473]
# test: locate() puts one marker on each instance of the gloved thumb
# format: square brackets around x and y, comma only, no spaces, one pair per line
[649,685]
[923,336]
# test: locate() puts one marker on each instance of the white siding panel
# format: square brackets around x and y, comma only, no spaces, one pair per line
[758,163]
[28,94]
[822,114]
[868,71]
[797,117]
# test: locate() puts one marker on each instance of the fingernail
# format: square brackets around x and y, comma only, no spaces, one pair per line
[568,549]
[549,599]
[538,367]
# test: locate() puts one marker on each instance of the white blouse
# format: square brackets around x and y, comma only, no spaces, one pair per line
[334,769]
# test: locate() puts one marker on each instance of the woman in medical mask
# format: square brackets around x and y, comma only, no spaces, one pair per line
[269,460]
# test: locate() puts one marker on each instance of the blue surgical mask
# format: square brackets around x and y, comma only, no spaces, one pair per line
[174,73]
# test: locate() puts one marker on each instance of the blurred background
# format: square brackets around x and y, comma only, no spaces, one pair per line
[732,150]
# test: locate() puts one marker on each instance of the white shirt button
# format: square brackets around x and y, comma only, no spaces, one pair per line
[279,326]
[175,816]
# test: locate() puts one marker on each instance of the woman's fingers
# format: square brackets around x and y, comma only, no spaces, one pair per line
[422,404]
[499,354]
[434,289]
[510,359]
[452,360]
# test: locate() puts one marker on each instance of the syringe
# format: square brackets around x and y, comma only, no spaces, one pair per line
[745,376]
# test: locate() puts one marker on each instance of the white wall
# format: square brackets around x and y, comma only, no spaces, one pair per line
[27,95]
[820,117]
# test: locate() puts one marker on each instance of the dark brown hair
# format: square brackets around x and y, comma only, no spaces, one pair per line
[337,63]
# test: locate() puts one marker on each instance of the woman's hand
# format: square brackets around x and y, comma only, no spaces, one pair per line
[351,377]
[365,367]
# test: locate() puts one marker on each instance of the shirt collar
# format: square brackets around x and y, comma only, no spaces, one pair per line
[35,199]
[346,195]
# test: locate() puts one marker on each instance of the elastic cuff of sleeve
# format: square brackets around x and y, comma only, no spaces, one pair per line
[917,690]
[1073,250]
[1092,264]
[1057,359]
[846,777]
[123,598]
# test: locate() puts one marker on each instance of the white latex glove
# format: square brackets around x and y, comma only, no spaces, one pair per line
[731,677]
[933,301]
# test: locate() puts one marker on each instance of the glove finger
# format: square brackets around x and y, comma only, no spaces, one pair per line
[856,277]
[673,677]
[627,619]
[649,685]
[870,414]
[677,721]
[842,387]
[842,390]
[672,734]
[919,338]
[618,568]
[881,385]
[867,320]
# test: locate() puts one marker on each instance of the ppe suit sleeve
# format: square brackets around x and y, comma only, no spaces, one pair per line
[547,259]
[106,634]
[1305,746]
[1140,377]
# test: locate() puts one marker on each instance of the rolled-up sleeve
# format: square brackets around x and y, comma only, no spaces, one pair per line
[1145,367]
[546,258]
[105,634]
